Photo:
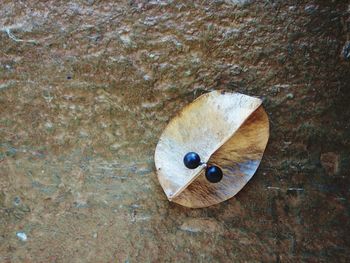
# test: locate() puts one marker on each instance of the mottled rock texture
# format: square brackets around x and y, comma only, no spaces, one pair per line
[86,88]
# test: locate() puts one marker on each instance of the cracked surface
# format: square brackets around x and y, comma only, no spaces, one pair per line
[86,88]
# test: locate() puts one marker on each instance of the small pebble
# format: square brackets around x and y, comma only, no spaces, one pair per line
[290,96]
[147,77]
[310,9]
[346,51]
[17,200]
[21,236]
[48,125]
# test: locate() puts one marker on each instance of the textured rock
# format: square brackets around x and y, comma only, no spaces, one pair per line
[86,88]
[198,225]
[330,162]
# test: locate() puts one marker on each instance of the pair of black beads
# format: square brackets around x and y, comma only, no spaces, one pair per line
[212,173]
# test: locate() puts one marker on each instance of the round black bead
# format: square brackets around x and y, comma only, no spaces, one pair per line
[213,174]
[192,160]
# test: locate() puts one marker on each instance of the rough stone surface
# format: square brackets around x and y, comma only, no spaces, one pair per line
[330,162]
[86,88]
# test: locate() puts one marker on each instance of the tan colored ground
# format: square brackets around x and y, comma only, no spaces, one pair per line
[86,88]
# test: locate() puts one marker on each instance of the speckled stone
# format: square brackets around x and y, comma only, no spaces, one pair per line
[86,88]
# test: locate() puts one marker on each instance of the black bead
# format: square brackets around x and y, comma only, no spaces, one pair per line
[213,174]
[192,160]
